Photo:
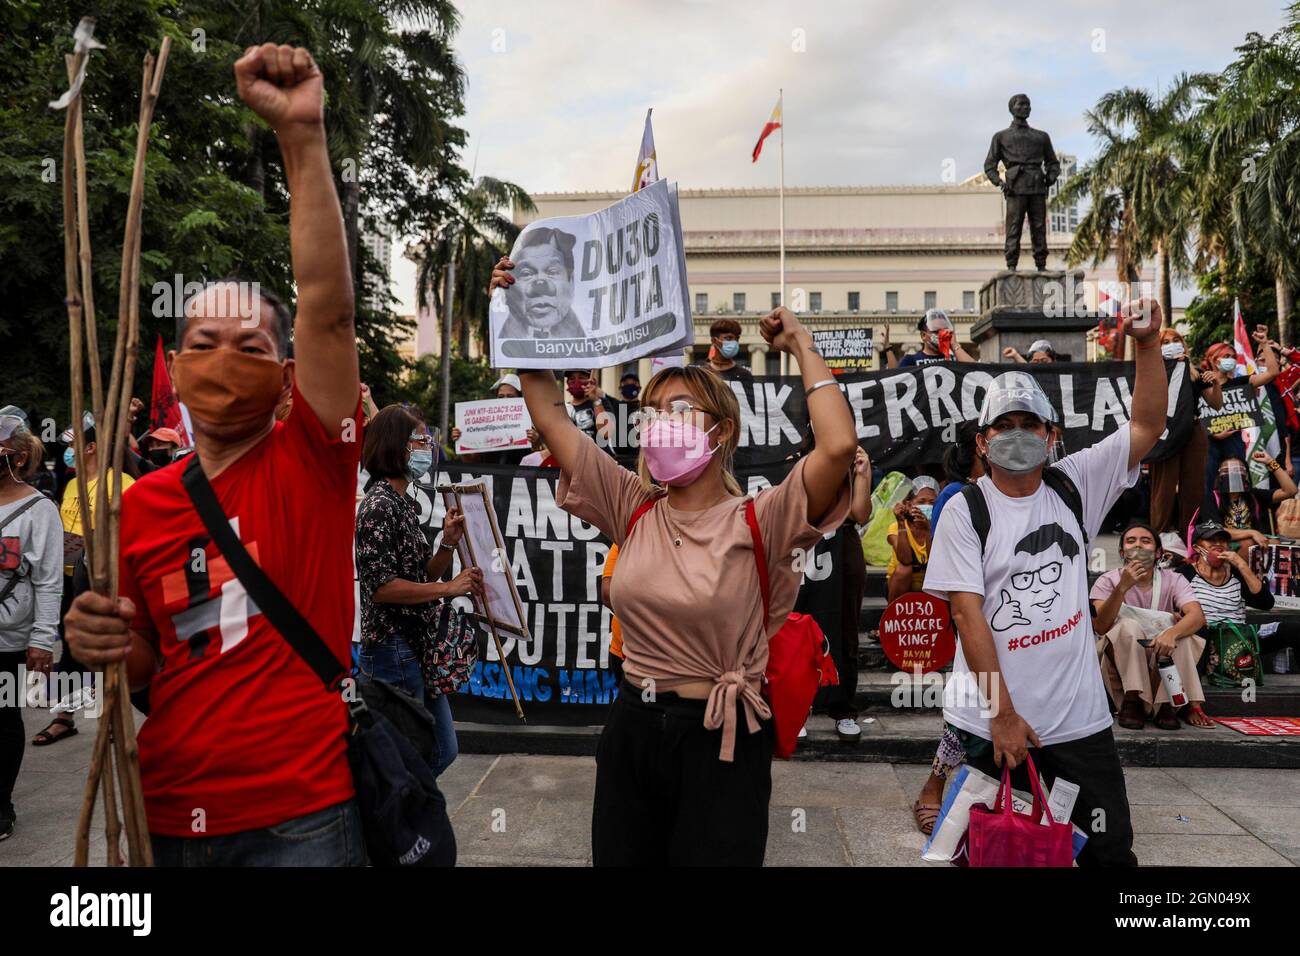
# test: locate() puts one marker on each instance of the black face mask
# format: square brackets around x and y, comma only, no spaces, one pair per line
[631,391]
[160,456]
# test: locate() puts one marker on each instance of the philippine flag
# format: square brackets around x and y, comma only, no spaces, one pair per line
[773,124]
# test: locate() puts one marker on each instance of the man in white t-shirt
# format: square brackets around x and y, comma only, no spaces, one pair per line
[1026,673]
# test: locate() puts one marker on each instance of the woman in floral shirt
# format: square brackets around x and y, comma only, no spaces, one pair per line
[398,569]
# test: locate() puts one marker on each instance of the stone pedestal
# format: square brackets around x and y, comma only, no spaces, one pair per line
[1018,308]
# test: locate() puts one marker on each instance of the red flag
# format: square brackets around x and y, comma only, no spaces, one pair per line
[773,124]
[166,409]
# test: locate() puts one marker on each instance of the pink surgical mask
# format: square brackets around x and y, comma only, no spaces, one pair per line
[676,452]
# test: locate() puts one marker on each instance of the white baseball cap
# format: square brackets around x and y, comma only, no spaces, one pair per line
[510,379]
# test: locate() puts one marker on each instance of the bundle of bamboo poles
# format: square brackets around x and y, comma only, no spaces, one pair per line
[115,744]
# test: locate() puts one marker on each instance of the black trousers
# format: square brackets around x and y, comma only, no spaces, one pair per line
[663,798]
[842,698]
[1101,810]
[12,735]
[1035,207]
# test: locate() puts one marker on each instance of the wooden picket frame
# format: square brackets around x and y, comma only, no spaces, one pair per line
[451,496]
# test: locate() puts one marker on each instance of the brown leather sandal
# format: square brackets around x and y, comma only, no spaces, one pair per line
[926,815]
[45,738]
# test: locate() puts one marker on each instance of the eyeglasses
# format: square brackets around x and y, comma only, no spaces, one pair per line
[424,441]
[678,410]
[1047,574]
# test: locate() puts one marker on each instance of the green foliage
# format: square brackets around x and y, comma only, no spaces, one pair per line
[1210,314]
[470,382]
[215,199]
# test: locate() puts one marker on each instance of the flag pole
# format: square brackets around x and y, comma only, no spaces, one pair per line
[781,101]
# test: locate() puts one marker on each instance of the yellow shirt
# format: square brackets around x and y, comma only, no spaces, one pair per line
[616,641]
[70,510]
[920,555]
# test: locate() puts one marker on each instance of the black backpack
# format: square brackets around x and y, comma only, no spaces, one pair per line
[1053,477]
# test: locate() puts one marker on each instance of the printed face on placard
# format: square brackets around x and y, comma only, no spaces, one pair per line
[544,281]
[1044,557]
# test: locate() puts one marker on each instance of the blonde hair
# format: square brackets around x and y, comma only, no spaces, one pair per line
[712,395]
[25,441]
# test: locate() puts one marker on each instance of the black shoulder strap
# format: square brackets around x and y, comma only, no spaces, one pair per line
[1064,486]
[20,509]
[293,627]
[979,513]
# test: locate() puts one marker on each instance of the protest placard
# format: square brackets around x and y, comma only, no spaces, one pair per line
[916,633]
[597,290]
[848,349]
[1240,409]
[1278,566]
[494,424]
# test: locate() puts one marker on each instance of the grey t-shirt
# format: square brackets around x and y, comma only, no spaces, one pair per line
[31,550]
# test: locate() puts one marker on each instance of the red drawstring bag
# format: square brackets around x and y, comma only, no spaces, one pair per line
[798,655]
[999,836]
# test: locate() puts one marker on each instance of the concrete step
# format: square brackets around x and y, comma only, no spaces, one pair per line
[890,736]
[1278,697]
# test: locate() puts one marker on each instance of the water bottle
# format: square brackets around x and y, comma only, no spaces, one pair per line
[1173,683]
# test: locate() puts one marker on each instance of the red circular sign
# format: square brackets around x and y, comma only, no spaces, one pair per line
[916,632]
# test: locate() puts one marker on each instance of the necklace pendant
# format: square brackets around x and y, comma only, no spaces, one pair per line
[677,542]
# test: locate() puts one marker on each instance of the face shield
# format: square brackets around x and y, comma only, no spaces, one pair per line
[924,483]
[1016,392]
[1232,477]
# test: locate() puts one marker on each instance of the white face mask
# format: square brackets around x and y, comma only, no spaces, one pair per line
[1227,365]
[1172,350]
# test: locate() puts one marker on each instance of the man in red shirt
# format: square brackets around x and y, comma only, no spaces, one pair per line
[243,757]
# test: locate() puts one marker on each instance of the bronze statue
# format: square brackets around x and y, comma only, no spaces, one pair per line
[1031,169]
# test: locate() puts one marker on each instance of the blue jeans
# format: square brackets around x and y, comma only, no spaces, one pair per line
[393,662]
[444,731]
[329,837]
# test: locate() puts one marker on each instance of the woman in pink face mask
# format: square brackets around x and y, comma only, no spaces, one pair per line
[683,767]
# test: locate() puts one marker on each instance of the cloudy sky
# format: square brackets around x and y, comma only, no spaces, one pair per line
[876,91]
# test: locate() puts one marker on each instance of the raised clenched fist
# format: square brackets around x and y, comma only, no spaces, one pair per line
[283,85]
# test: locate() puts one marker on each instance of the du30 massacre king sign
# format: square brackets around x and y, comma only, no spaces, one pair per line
[597,290]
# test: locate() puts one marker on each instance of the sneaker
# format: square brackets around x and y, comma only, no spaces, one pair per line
[7,818]
[803,731]
[848,727]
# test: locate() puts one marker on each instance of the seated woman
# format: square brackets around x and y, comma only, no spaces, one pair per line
[906,569]
[1247,512]
[1225,586]
[1129,653]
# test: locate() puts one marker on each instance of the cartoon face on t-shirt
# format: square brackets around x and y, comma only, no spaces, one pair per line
[1035,591]
[1031,578]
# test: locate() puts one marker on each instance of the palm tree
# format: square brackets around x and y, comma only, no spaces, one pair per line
[1109,226]
[1143,195]
[1157,171]
[477,232]
[1255,150]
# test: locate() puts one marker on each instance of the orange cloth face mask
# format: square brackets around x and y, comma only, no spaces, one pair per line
[228,388]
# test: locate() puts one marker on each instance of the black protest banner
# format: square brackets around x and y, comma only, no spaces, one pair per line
[908,416]
[563,672]
[1240,409]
